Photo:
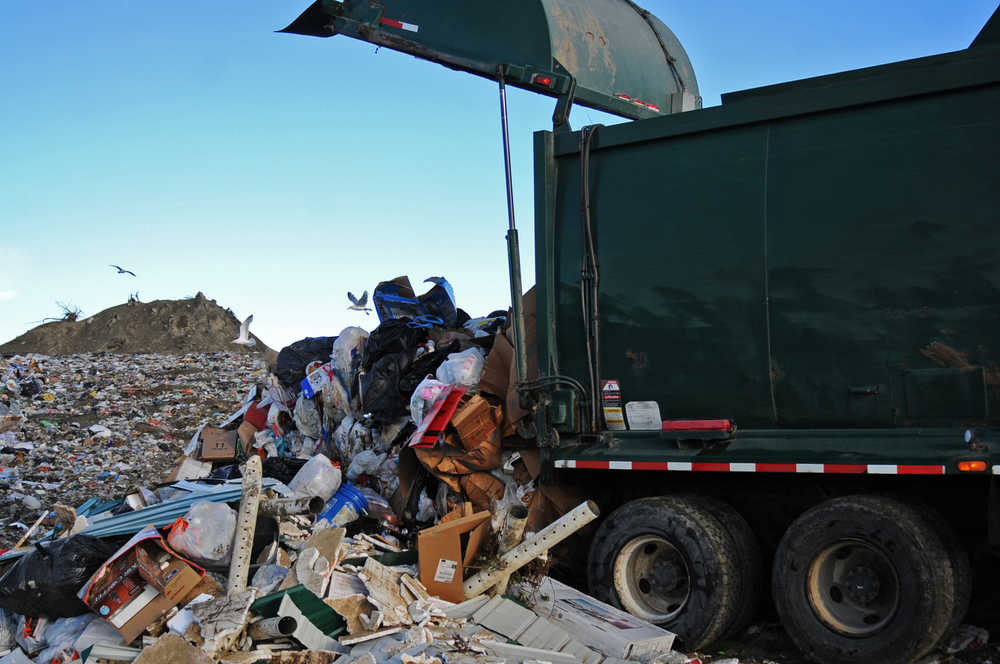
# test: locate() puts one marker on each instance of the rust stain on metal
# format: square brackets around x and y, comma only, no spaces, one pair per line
[570,34]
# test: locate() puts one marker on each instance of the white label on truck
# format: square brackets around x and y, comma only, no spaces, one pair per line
[643,415]
[446,570]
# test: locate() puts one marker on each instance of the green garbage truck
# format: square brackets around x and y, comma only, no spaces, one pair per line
[766,334]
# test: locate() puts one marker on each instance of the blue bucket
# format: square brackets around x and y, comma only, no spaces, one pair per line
[346,505]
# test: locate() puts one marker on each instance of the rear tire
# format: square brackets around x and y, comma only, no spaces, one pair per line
[750,577]
[863,578]
[668,560]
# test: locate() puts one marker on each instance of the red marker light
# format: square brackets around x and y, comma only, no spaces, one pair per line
[538,79]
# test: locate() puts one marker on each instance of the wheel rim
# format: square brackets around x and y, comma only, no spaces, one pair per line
[652,579]
[853,588]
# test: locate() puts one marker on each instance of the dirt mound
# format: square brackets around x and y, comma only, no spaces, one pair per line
[193,325]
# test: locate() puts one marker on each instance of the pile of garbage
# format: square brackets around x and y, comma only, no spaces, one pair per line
[190,325]
[368,501]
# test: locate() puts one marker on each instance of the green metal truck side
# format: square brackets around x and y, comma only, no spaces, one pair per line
[815,261]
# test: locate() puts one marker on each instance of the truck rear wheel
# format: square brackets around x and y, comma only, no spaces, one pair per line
[863,578]
[670,561]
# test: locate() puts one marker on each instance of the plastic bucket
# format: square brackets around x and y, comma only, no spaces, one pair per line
[345,506]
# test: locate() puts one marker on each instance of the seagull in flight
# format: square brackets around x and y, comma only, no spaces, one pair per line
[359,303]
[245,339]
[122,270]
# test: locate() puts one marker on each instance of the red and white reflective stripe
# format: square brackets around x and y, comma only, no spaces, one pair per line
[752,467]
[393,23]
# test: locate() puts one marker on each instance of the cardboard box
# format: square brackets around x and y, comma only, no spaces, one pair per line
[441,559]
[600,626]
[218,444]
[186,468]
[475,421]
[142,581]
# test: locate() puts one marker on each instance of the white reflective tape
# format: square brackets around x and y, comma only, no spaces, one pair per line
[996,470]
[882,469]
[678,465]
[565,463]
[743,467]
[619,465]
[809,468]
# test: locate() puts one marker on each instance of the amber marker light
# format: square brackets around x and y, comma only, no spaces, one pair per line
[972,466]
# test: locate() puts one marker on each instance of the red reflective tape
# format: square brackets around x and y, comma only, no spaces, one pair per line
[391,23]
[845,468]
[599,465]
[920,470]
[696,425]
[717,467]
[649,465]
[775,467]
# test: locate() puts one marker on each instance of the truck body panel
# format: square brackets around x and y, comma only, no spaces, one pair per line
[816,256]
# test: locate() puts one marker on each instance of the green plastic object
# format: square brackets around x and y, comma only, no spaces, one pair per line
[606,54]
[319,614]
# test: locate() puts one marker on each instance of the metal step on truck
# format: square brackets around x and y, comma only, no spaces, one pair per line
[766,334]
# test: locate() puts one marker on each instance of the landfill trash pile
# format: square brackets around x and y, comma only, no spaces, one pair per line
[192,325]
[362,498]
[77,427]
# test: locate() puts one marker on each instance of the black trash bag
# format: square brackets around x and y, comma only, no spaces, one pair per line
[230,472]
[45,581]
[423,366]
[281,468]
[380,391]
[392,336]
[294,358]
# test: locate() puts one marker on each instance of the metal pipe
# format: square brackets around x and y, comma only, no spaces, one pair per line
[528,550]
[513,247]
[272,628]
[246,523]
[291,506]
[512,531]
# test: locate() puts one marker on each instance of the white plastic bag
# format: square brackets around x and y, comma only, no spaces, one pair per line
[365,462]
[61,636]
[307,418]
[8,623]
[206,533]
[318,477]
[463,368]
[424,397]
[342,438]
[348,346]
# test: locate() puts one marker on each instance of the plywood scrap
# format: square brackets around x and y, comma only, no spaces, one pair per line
[351,608]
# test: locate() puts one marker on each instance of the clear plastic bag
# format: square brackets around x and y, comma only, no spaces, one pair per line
[347,350]
[268,578]
[424,397]
[318,477]
[30,634]
[365,462]
[8,623]
[205,533]
[342,438]
[307,418]
[61,637]
[463,368]
[378,506]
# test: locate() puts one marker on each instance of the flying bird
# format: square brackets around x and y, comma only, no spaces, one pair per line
[245,339]
[122,270]
[359,303]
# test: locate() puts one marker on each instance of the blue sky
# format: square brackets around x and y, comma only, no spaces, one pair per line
[192,144]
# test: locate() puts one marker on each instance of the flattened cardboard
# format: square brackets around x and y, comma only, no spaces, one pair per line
[218,444]
[441,560]
[475,421]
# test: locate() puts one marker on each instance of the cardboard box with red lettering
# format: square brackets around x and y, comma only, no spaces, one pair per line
[142,581]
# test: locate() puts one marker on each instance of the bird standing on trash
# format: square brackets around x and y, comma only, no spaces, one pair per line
[245,339]
[359,303]
[122,270]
